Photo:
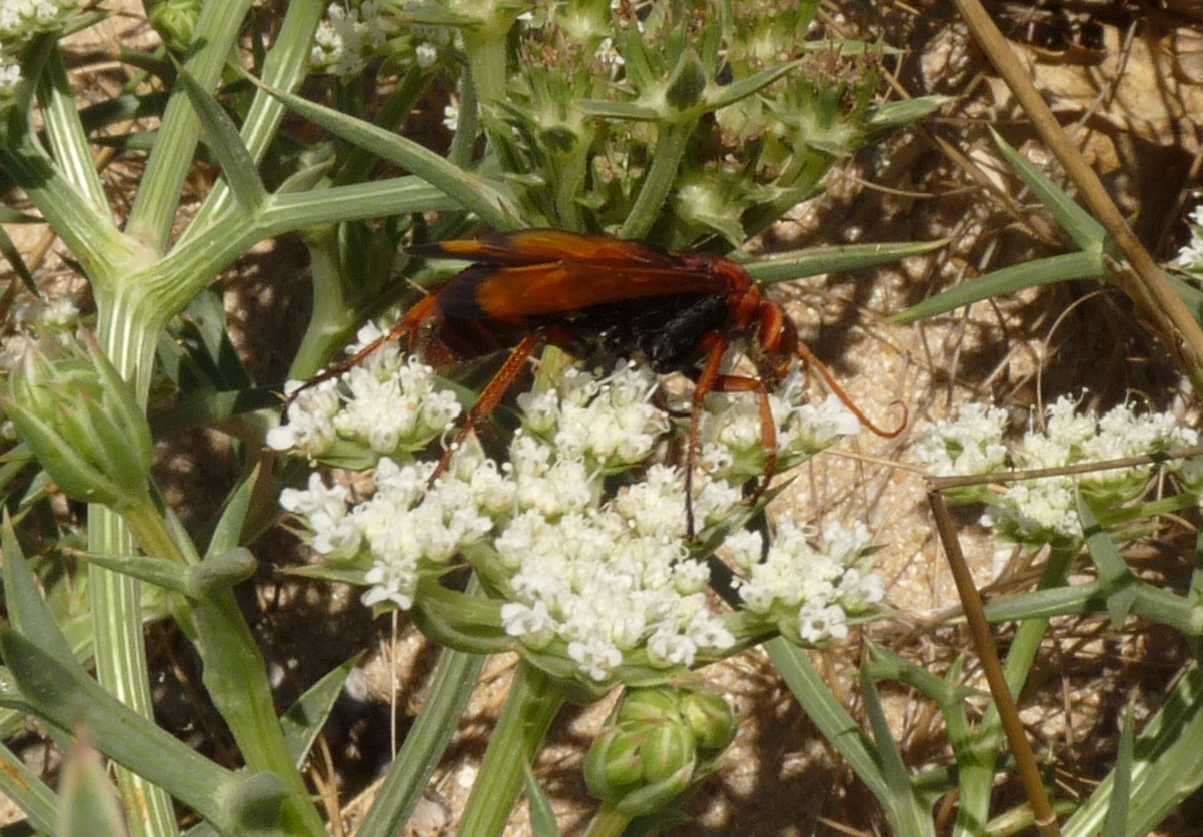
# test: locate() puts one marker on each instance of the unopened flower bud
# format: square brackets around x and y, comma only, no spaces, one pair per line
[82,422]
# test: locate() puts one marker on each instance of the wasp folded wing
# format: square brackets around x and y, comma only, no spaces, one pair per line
[515,294]
[528,247]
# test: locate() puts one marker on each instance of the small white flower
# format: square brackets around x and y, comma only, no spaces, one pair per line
[426,54]
[970,445]
[451,115]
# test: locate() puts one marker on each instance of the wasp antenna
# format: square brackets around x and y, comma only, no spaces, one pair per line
[809,357]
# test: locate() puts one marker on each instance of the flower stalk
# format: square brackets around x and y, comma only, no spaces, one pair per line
[533,703]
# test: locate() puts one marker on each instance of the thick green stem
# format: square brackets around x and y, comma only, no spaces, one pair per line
[234,674]
[117,599]
[333,315]
[608,822]
[533,703]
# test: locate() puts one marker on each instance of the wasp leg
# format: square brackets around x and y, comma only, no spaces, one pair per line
[716,344]
[768,426]
[491,396]
[808,358]
[408,324]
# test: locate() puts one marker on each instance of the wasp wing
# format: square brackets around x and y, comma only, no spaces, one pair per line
[514,294]
[529,247]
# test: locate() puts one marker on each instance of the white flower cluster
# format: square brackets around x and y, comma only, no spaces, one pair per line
[1190,257]
[10,77]
[1043,510]
[609,423]
[731,433]
[594,571]
[970,445]
[606,583]
[389,403]
[21,20]
[809,592]
[349,37]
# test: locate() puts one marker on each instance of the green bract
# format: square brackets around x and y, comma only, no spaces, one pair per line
[82,422]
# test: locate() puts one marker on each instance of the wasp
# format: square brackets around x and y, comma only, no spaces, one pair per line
[681,312]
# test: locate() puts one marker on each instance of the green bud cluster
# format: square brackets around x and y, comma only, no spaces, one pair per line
[174,21]
[597,90]
[82,422]
[659,743]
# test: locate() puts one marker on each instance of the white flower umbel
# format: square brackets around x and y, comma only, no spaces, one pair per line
[1045,510]
[610,423]
[732,446]
[973,444]
[580,530]
[389,404]
[349,36]
[808,592]
[22,20]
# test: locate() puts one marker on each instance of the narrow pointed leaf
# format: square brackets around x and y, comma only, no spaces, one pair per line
[895,114]
[1084,265]
[223,139]
[542,818]
[27,610]
[729,94]
[901,804]
[228,533]
[784,267]
[27,790]
[89,801]
[469,190]
[304,719]
[1086,232]
[1117,811]
[832,720]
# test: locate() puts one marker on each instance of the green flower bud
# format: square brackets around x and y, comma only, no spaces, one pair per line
[661,740]
[711,719]
[666,749]
[647,705]
[174,20]
[83,423]
[613,763]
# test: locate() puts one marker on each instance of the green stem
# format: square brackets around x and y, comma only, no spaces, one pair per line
[425,742]
[116,599]
[533,703]
[608,822]
[66,134]
[234,675]
[154,210]
[666,159]
[333,315]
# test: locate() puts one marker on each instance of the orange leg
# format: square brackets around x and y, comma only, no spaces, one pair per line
[490,397]
[809,359]
[768,427]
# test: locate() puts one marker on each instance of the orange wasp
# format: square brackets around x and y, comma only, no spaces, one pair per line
[681,312]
